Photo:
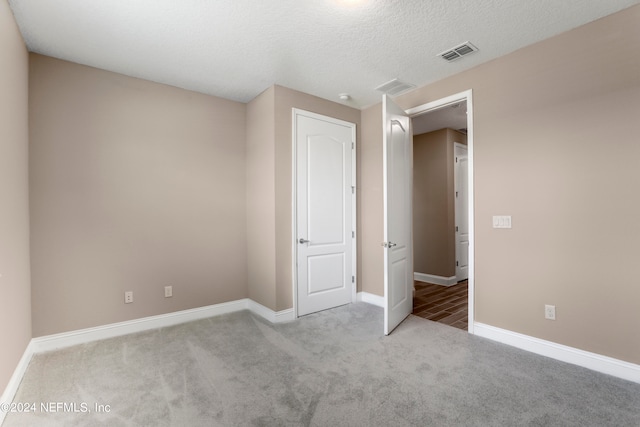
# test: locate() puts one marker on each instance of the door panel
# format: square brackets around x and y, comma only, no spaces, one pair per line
[398,256]
[326,273]
[326,189]
[324,211]
[398,294]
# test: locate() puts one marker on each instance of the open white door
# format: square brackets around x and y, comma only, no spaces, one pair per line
[398,182]
[325,211]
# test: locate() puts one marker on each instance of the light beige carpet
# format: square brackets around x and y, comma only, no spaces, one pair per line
[333,368]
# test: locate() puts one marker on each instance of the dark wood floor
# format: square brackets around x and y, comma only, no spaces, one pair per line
[443,304]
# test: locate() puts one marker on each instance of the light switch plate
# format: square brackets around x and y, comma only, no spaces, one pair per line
[502,221]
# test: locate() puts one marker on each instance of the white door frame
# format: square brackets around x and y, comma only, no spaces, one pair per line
[434,105]
[294,201]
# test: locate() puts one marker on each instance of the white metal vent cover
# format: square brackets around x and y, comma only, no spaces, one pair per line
[458,51]
[395,87]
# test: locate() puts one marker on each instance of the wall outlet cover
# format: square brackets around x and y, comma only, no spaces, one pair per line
[550,312]
[502,221]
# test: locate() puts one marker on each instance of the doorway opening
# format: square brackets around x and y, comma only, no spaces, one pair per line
[442,211]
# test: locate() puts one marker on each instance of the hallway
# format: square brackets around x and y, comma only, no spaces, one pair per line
[442,304]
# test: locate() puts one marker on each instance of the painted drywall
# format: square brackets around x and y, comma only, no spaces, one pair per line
[261,211]
[556,147]
[285,100]
[371,214]
[433,209]
[134,186]
[15,303]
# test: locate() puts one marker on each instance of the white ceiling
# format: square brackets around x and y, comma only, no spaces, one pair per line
[452,116]
[235,49]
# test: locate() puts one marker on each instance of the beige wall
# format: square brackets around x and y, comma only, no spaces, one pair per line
[556,147]
[15,302]
[134,186]
[433,214]
[261,210]
[370,212]
[434,238]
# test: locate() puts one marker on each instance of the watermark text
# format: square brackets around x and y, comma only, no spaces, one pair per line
[54,407]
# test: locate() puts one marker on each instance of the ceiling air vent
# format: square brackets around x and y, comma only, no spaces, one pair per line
[458,52]
[394,87]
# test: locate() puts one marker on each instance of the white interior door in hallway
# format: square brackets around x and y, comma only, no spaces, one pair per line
[461,178]
[324,153]
[398,193]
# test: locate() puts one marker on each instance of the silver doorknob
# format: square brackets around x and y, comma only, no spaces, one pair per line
[389,245]
[303,240]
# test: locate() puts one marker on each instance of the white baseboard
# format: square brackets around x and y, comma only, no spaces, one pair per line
[596,362]
[67,339]
[438,280]
[270,315]
[287,315]
[373,299]
[15,380]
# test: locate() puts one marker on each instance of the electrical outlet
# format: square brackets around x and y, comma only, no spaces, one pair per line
[128,297]
[168,291]
[550,312]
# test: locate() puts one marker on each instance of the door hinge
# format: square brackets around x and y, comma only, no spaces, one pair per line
[457,264]
[353,279]
[353,189]
[456,228]
[456,194]
[456,160]
[353,145]
[353,234]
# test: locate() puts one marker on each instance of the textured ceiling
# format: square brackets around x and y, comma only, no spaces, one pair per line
[235,49]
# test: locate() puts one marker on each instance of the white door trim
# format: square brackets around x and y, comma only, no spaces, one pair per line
[424,108]
[294,231]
